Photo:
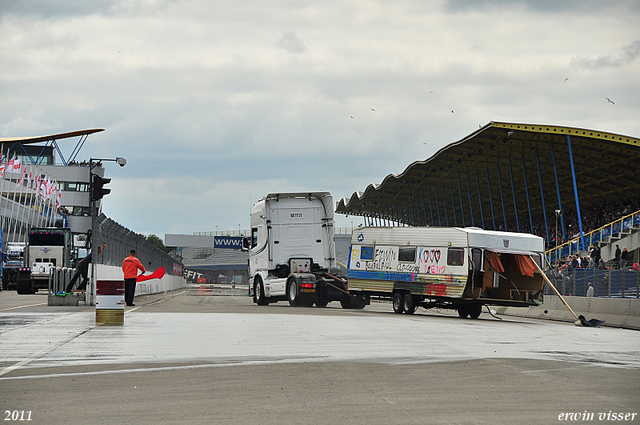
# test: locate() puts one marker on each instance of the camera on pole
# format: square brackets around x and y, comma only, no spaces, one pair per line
[97,189]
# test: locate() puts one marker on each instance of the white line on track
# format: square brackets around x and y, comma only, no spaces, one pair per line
[22,306]
[161,368]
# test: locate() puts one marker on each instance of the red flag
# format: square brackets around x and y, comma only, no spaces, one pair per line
[158,274]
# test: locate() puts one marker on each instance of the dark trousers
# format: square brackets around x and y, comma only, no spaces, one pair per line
[83,284]
[81,270]
[129,290]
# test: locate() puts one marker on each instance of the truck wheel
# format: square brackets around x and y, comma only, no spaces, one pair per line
[398,305]
[357,304]
[292,293]
[475,310]
[24,287]
[258,293]
[463,311]
[409,304]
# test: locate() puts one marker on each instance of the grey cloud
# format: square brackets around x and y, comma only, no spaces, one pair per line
[50,8]
[290,41]
[577,6]
[629,53]
[65,8]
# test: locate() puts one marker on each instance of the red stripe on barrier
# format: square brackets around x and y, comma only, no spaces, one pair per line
[110,287]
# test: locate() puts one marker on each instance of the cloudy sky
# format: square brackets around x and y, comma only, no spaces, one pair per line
[217,103]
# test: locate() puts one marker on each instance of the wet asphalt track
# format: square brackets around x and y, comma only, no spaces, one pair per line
[210,357]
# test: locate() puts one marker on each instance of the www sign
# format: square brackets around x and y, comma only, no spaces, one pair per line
[229,242]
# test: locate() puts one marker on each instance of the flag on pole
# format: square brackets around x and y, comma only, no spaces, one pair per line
[49,187]
[38,179]
[24,171]
[158,274]
[17,164]
[44,187]
[59,200]
[30,178]
[9,167]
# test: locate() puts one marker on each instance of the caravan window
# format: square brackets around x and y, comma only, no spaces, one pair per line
[407,255]
[366,253]
[455,256]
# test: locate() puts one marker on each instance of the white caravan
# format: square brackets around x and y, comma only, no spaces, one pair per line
[455,268]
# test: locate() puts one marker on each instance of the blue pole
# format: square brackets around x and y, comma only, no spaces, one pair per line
[473,223]
[413,219]
[513,192]
[453,205]
[493,215]
[424,208]
[406,211]
[555,172]
[480,199]
[437,208]
[444,201]
[575,191]
[504,214]
[544,211]
[461,204]
[526,189]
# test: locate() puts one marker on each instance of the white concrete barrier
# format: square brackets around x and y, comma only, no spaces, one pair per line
[153,286]
[616,312]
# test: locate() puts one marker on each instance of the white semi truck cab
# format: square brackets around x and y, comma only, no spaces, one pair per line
[292,251]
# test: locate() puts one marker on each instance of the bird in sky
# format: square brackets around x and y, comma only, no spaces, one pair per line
[373,109]
[352,117]
[610,101]
[452,111]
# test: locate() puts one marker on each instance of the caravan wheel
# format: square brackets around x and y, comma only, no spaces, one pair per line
[463,311]
[475,310]
[409,304]
[398,304]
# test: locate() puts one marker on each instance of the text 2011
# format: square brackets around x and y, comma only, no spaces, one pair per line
[17,415]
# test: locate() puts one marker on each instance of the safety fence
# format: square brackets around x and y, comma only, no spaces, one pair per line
[611,230]
[118,241]
[606,283]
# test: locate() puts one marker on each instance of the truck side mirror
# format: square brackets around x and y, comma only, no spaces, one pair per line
[245,244]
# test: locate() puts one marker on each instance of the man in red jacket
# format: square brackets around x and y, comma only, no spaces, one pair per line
[130,267]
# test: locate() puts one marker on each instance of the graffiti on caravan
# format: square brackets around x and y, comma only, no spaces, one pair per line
[429,261]
[228,242]
[384,259]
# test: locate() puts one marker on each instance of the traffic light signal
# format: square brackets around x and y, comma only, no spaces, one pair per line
[97,190]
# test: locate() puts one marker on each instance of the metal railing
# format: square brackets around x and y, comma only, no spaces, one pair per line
[623,283]
[59,278]
[119,241]
[613,229]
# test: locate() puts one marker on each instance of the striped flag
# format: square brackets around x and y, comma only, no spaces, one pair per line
[24,171]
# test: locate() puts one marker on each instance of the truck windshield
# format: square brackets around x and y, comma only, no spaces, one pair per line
[46,238]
